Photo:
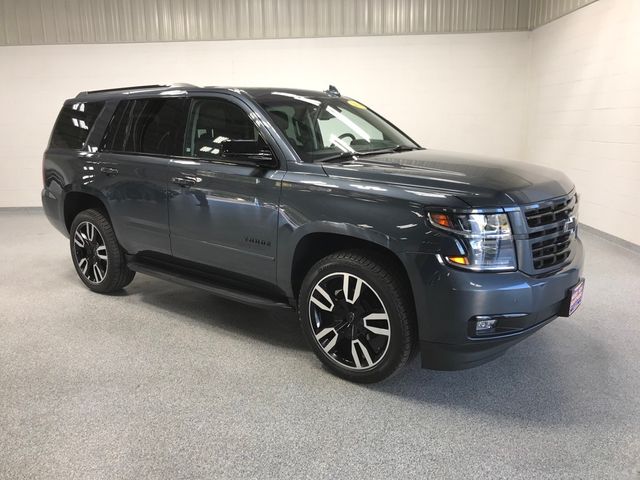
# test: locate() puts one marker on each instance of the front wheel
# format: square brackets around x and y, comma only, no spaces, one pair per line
[96,253]
[356,314]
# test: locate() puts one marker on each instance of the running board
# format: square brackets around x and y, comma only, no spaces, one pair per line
[202,284]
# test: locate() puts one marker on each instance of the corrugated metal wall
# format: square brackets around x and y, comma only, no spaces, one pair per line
[33,22]
[545,11]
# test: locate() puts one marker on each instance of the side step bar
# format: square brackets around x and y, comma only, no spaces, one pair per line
[202,284]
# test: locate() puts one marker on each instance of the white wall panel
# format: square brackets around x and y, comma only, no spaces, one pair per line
[459,92]
[585,110]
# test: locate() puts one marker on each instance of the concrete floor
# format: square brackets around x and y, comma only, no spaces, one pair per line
[166,382]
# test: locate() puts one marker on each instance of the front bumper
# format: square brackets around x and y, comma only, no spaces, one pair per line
[448,299]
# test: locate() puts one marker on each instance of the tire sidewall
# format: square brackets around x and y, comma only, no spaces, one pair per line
[394,353]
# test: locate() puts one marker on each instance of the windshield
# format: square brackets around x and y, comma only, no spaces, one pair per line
[327,128]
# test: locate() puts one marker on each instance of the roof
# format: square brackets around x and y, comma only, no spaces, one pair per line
[262,91]
[133,89]
[255,92]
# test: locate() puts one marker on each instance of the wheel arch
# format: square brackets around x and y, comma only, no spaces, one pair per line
[76,201]
[316,245]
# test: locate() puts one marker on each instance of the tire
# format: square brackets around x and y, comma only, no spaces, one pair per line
[368,333]
[96,254]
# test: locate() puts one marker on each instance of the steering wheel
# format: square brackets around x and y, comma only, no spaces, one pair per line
[347,135]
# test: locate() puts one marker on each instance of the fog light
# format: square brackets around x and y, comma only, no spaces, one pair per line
[485,324]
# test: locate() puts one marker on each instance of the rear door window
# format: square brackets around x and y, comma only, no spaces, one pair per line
[74,124]
[153,126]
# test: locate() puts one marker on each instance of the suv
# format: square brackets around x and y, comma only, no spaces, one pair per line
[311,201]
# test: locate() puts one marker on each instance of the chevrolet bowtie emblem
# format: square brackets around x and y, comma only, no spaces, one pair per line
[571,224]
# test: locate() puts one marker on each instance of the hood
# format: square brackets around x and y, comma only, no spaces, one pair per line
[478,181]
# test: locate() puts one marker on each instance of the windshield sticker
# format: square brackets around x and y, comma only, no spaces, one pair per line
[353,103]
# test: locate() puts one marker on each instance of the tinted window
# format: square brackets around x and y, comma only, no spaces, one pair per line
[213,122]
[116,133]
[74,123]
[153,126]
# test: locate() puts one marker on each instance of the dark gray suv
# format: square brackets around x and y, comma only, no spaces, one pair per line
[309,200]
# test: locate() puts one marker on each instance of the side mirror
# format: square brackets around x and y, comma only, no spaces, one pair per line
[248,151]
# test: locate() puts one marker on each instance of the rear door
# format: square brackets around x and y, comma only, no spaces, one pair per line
[223,211]
[140,139]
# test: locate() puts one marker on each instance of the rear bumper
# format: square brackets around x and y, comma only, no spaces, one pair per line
[53,207]
[448,300]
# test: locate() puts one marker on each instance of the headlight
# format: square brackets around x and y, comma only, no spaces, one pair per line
[484,240]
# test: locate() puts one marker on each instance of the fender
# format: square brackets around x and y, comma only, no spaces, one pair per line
[87,190]
[287,246]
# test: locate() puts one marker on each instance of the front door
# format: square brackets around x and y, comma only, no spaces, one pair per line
[223,209]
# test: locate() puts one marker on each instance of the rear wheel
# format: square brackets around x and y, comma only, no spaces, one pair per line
[97,256]
[356,315]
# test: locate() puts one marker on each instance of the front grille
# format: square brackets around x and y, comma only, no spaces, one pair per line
[551,213]
[549,238]
[551,252]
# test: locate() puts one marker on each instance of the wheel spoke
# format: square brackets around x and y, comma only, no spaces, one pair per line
[358,346]
[99,275]
[378,330]
[331,343]
[101,252]
[325,303]
[347,292]
[91,231]
[78,239]
[83,264]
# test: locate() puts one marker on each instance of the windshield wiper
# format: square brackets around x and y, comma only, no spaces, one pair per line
[345,155]
[405,148]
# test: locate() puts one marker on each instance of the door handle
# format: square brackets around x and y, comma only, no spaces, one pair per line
[109,171]
[184,181]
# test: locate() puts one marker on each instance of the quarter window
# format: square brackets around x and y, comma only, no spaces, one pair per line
[74,124]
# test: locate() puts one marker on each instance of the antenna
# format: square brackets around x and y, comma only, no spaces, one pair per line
[333,91]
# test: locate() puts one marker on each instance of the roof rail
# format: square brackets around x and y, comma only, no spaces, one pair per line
[136,87]
[184,85]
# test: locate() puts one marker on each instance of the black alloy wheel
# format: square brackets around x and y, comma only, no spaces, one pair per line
[90,252]
[349,321]
[97,256]
[357,315]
